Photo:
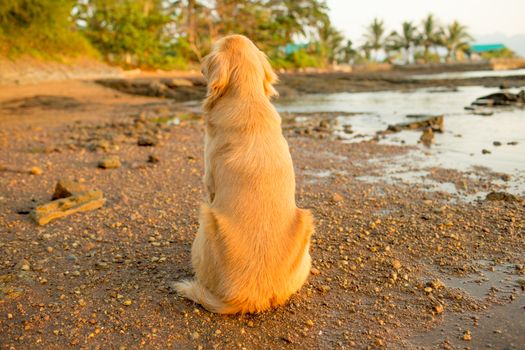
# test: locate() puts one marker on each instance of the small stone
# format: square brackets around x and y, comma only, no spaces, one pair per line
[485,151]
[36,171]
[195,335]
[324,288]
[110,162]
[436,284]
[309,323]
[496,143]
[9,316]
[66,188]
[428,290]
[501,196]
[427,137]
[396,264]
[146,141]
[218,332]
[336,197]
[467,336]
[23,265]
[315,271]
[82,302]
[438,308]
[127,302]
[153,159]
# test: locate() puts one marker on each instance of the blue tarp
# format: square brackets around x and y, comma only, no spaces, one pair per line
[479,48]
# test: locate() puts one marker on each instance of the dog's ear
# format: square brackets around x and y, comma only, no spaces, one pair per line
[270,77]
[218,75]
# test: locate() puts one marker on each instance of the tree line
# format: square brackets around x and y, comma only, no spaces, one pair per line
[177,33]
[417,43]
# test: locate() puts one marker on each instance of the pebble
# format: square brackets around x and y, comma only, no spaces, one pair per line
[336,197]
[309,323]
[127,302]
[485,151]
[396,264]
[36,171]
[467,336]
[496,143]
[438,308]
[315,271]
[195,335]
[110,162]
[23,265]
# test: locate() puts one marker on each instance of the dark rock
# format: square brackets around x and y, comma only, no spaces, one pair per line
[485,151]
[501,196]
[147,141]
[496,143]
[153,159]
[436,123]
[67,188]
[504,98]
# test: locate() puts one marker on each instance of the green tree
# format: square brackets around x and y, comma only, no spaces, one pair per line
[431,35]
[127,32]
[375,37]
[406,40]
[40,27]
[456,38]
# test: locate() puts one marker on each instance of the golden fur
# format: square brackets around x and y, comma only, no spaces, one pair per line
[251,251]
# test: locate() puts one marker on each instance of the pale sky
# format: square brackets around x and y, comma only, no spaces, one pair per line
[482,17]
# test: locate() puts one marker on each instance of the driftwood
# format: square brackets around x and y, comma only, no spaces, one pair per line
[83,201]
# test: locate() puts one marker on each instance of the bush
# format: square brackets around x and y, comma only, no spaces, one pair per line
[41,28]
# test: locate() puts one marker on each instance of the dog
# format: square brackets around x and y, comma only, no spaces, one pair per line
[251,251]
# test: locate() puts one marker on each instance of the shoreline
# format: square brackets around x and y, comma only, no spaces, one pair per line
[392,260]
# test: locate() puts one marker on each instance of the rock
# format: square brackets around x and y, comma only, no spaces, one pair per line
[36,171]
[482,112]
[100,144]
[496,143]
[110,162]
[146,141]
[504,98]
[175,82]
[438,309]
[436,123]
[315,271]
[23,265]
[436,284]
[309,323]
[83,201]
[501,196]
[467,336]
[336,197]
[427,137]
[512,143]
[127,302]
[347,129]
[396,264]
[153,159]
[66,188]
[485,151]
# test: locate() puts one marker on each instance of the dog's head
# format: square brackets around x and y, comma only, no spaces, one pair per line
[235,62]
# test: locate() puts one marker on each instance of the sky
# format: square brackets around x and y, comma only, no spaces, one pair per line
[502,20]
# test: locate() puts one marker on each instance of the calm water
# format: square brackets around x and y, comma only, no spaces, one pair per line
[465,75]
[459,147]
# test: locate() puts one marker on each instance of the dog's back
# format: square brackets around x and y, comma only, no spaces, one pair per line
[252,248]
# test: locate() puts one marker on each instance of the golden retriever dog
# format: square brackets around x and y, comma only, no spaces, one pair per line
[251,251]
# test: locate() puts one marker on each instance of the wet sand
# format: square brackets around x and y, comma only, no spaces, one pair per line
[391,260]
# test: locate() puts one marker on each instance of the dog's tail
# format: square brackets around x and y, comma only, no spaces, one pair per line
[196,292]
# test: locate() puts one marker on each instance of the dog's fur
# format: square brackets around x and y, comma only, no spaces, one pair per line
[251,251]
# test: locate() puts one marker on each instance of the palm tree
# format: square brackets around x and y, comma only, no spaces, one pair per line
[375,35]
[408,38]
[431,35]
[456,39]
